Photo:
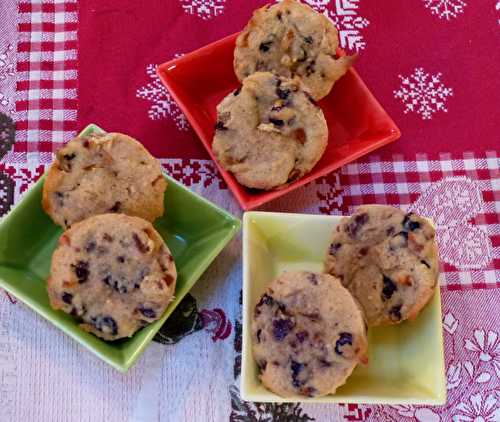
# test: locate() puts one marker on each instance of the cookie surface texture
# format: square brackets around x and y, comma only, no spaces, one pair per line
[269,132]
[308,334]
[387,259]
[291,39]
[114,273]
[101,174]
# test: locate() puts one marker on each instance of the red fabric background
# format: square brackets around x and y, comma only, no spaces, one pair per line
[117,39]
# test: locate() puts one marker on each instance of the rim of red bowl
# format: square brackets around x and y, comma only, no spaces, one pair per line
[266,196]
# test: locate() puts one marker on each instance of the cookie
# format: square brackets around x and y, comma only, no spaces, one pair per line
[387,259]
[114,273]
[269,132]
[308,334]
[100,174]
[291,39]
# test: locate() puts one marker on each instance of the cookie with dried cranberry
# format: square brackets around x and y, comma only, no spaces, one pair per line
[99,174]
[114,273]
[308,335]
[269,132]
[388,259]
[291,39]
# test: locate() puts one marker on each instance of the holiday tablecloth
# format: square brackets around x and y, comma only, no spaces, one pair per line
[433,64]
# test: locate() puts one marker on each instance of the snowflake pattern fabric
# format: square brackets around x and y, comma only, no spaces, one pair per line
[423,93]
[7,71]
[445,9]
[163,105]
[204,9]
[344,15]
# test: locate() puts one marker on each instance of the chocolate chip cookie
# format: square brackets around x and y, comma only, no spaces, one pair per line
[100,174]
[291,39]
[114,273]
[308,334]
[269,132]
[387,259]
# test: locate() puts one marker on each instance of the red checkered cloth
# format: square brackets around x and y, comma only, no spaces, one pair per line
[47,79]
[460,194]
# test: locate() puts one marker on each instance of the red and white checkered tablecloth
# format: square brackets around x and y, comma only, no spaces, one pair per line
[46,80]
[433,64]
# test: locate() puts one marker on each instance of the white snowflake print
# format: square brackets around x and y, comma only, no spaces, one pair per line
[163,105]
[319,5]
[497,7]
[423,93]
[344,15]
[445,9]
[205,9]
[479,408]
[487,345]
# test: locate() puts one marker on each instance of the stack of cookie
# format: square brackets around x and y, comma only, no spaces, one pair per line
[309,330]
[270,131]
[111,268]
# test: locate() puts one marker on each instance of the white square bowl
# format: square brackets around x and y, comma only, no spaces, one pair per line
[406,361]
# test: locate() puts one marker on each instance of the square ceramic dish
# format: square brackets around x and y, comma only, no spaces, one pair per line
[357,123]
[406,361]
[194,229]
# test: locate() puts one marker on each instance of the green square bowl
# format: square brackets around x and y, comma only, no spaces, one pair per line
[406,361]
[194,229]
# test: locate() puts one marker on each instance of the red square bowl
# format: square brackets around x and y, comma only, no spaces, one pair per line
[357,123]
